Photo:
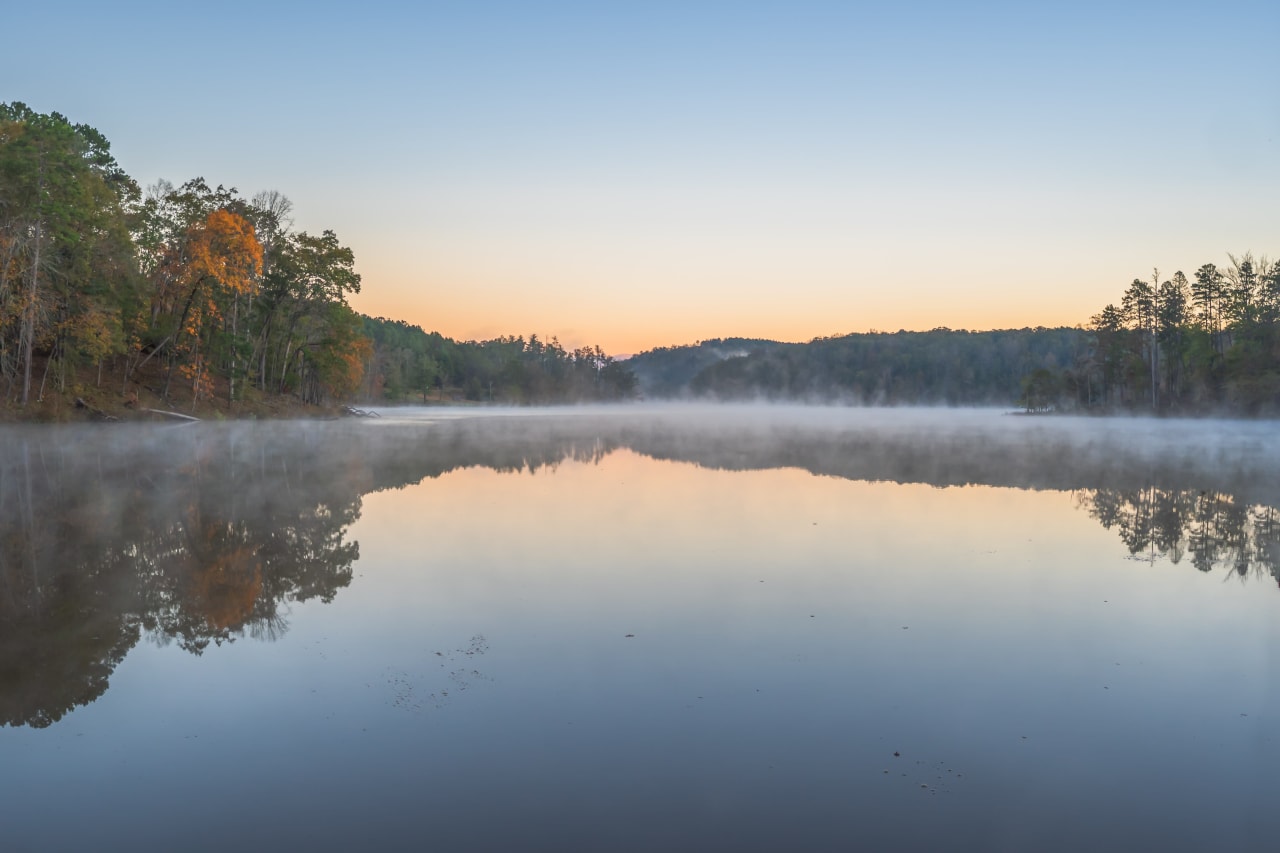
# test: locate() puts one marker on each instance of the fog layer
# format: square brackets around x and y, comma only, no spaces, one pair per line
[198,534]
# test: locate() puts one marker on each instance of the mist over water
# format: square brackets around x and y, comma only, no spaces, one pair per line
[643,626]
[940,447]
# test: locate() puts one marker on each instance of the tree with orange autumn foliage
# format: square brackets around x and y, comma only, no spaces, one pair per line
[204,284]
[200,283]
[223,573]
[269,317]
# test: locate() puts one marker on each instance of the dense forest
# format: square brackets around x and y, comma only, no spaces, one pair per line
[1208,343]
[938,367]
[191,293]
[1205,344]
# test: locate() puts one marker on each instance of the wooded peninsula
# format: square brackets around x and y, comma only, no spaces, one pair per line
[194,298]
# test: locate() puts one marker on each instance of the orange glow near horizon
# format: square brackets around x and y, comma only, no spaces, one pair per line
[642,175]
[628,333]
[629,320]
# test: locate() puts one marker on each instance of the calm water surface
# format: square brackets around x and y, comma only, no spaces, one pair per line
[641,629]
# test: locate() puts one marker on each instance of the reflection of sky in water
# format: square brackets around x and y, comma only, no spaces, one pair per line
[475,687]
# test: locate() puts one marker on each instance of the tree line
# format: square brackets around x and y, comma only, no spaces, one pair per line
[1210,342]
[413,365]
[938,367]
[198,292]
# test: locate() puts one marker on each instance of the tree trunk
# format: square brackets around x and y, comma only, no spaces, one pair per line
[29,315]
[231,374]
[284,363]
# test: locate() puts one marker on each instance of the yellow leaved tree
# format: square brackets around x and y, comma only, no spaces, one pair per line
[205,284]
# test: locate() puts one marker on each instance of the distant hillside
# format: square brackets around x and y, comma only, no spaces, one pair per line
[666,372]
[939,367]
[408,363]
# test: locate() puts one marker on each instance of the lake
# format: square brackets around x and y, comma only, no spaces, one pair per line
[641,628]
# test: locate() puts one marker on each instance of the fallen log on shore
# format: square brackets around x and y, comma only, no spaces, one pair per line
[168,414]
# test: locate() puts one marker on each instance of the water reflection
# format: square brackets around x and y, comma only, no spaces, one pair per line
[1214,530]
[190,537]
[201,535]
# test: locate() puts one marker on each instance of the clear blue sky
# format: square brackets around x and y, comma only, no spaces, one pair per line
[652,173]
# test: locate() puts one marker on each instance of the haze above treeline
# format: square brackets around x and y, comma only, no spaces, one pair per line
[193,296]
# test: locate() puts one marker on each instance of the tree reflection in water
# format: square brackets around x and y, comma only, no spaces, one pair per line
[165,534]
[194,535]
[202,535]
[1213,529]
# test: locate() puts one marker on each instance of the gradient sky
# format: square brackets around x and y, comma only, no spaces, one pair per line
[644,174]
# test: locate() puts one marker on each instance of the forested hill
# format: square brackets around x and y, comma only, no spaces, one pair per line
[938,367]
[1182,345]
[666,372]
